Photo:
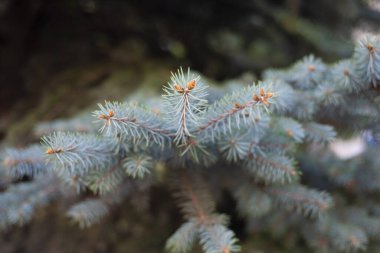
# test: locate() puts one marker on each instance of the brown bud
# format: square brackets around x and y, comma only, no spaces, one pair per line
[371,48]
[237,105]
[111,113]
[266,103]
[311,68]
[262,92]
[289,132]
[49,151]
[269,95]
[346,72]
[191,85]
[102,116]
[178,88]
[256,98]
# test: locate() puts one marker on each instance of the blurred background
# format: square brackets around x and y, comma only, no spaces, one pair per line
[57,58]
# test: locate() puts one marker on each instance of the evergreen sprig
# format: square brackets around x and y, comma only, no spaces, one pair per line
[184,101]
[30,161]
[77,153]
[133,122]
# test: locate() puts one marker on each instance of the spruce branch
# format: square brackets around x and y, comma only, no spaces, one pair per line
[272,168]
[307,73]
[218,239]
[194,200]
[88,212]
[291,128]
[184,100]
[345,76]
[341,236]
[328,95]
[367,60]
[251,201]
[183,238]
[302,200]
[19,203]
[320,133]
[73,154]
[285,96]
[360,217]
[235,146]
[132,122]
[78,124]
[198,209]
[137,166]
[29,161]
[104,181]
[304,107]
[241,108]
[91,210]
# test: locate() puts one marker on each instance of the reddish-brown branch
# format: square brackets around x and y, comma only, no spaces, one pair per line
[183,113]
[226,114]
[188,189]
[142,125]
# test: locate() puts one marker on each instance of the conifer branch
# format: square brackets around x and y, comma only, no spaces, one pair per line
[184,98]
[240,109]
[183,238]
[30,161]
[198,208]
[138,166]
[345,76]
[251,201]
[290,128]
[77,153]
[341,237]
[88,212]
[77,124]
[272,168]
[132,122]
[307,73]
[235,146]
[367,59]
[20,201]
[104,181]
[319,133]
[224,133]
[302,200]
[196,202]
[218,239]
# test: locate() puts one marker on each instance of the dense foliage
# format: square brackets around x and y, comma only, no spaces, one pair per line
[265,144]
